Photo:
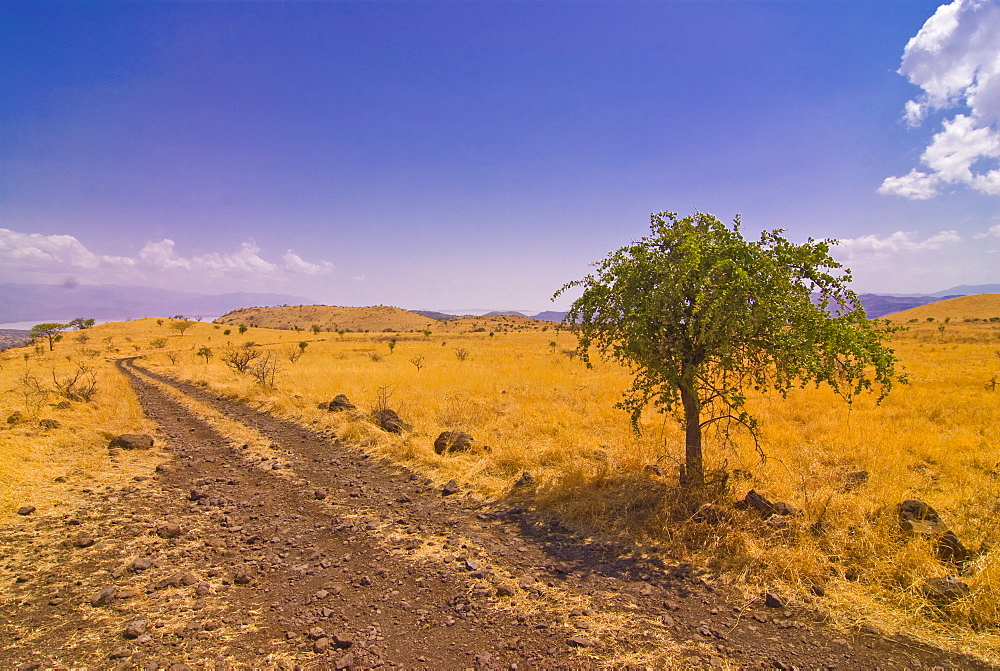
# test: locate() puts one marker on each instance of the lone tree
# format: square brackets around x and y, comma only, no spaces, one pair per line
[703,317]
[49,330]
[182,325]
[81,323]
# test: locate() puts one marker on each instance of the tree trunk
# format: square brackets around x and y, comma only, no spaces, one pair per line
[694,472]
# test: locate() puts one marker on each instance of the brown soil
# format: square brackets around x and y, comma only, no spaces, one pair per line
[320,557]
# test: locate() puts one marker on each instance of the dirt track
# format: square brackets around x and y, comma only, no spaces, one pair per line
[314,555]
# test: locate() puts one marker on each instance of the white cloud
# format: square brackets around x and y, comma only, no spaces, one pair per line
[34,251]
[993,232]
[955,60]
[45,258]
[900,241]
[294,263]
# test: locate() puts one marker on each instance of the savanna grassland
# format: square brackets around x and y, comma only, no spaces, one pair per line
[532,407]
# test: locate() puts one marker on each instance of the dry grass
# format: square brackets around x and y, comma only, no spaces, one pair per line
[45,466]
[528,398]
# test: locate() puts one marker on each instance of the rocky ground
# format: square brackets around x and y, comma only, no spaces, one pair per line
[309,554]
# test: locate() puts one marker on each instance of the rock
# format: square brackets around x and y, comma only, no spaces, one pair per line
[817,590]
[581,641]
[340,403]
[119,653]
[132,441]
[345,662]
[950,549]
[854,480]
[505,590]
[83,541]
[321,645]
[168,530]
[315,634]
[711,514]
[140,564]
[343,640]
[104,597]
[319,494]
[135,629]
[15,417]
[242,578]
[49,424]
[453,441]
[785,509]
[389,421]
[197,495]
[916,518]
[63,405]
[757,502]
[945,590]
[450,488]
[526,480]
[203,589]
[177,579]
[26,510]
[773,600]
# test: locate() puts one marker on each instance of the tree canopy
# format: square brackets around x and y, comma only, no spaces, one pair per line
[704,317]
[48,330]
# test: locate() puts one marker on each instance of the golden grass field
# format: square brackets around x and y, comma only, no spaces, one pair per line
[526,396]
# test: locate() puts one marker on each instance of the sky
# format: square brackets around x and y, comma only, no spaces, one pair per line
[479,155]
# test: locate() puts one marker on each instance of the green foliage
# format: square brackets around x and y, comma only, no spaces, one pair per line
[80,323]
[48,330]
[315,328]
[205,352]
[242,329]
[227,332]
[302,345]
[392,345]
[182,325]
[158,343]
[703,317]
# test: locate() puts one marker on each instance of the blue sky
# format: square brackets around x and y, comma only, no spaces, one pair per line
[478,155]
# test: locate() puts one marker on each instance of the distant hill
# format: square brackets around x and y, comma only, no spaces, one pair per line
[969,290]
[12,338]
[507,313]
[877,305]
[981,306]
[430,314]
[110,302]
[550,316]
[330,318]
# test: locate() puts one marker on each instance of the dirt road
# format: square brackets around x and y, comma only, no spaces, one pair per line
[310,554]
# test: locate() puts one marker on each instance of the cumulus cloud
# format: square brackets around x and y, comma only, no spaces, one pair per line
[294,263]
[34,251]
[900,241]
[37,257]
[955,60]
[993,232]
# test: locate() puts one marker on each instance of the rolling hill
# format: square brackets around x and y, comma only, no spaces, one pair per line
[330,318]
[981,306]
